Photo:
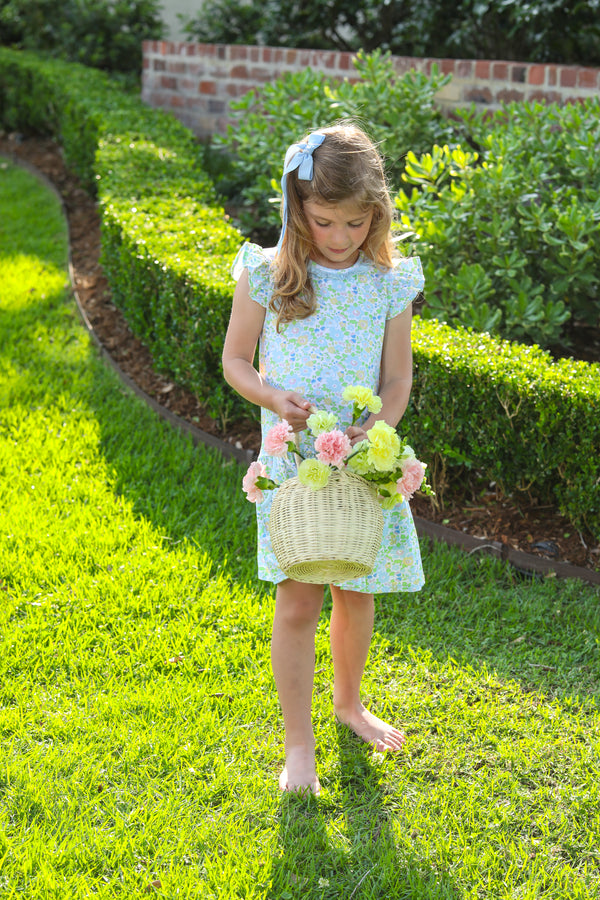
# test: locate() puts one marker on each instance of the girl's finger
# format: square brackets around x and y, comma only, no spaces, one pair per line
[299,400]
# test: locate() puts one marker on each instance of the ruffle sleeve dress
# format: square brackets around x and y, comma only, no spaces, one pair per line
[339,345]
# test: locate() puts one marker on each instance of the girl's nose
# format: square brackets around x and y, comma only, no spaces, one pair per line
[340,238]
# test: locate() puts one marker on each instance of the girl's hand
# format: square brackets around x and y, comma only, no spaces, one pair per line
[356,434]
[293,408]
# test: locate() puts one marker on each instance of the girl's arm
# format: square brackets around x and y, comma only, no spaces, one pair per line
[245,326]
[396,375]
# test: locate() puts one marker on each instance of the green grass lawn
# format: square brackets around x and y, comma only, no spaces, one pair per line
[140,735]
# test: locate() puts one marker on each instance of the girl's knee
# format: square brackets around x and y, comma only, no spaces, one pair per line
[299,603]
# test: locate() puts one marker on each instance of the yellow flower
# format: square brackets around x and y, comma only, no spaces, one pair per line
[360,463]
[313,473]
[362,397]
[384,446]
[321,421]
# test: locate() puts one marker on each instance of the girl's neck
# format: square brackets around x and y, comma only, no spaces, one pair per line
[331,264]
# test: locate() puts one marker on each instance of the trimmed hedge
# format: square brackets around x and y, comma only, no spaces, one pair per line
[510,412]
[166,244]
[499,408]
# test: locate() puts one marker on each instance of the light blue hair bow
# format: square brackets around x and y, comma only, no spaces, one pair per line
[298,156]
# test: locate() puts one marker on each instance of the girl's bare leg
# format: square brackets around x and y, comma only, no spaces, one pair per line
[297,610]
[351,631]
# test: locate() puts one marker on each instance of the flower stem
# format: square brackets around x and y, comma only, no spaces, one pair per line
[352,455]
[293,448]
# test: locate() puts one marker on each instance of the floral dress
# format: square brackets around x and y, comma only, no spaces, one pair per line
[340,344]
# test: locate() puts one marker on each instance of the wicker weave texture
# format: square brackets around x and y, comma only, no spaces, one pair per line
[327,535]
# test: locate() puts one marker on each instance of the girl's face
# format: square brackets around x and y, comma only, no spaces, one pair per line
[338,232]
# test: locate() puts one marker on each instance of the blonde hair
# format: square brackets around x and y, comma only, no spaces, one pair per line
[346,166]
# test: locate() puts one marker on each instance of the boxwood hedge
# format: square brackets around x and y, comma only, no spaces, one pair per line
[511,412]
[166,242]
[501,409]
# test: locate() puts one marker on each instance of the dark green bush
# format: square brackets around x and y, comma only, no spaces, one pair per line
[502,409]
[107,35]
[542,31]
[510,236]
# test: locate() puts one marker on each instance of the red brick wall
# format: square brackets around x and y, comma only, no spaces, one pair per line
[197,81]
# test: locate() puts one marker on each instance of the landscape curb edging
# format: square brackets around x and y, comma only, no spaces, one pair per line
[524,563]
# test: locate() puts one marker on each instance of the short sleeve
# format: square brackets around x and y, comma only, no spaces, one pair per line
[258,263]
[405,283]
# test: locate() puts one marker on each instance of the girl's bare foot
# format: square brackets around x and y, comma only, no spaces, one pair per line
[299,773]
[370,729]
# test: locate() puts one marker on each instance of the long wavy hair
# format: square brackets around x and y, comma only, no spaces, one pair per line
[346,166]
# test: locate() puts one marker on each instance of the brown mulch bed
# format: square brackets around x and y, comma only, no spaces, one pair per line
[476,509]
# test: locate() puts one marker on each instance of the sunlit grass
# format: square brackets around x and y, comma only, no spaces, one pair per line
[139,726]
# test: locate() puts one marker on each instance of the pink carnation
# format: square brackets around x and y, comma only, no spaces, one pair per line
[413,473]
[277,437]
[333,447]
[253,493]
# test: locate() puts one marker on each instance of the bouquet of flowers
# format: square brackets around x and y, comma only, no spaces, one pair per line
[383,458]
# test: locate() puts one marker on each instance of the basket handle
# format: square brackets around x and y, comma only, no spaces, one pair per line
[297,457]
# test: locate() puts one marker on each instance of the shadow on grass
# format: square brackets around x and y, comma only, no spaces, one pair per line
[473,610]
[347,848]
[479,613]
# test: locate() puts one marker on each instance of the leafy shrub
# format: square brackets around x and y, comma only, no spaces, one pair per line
[545,30]
[510,236]
[499,408]
[510,411]
[100,33]
[508,233]
[167,246]
[398,111]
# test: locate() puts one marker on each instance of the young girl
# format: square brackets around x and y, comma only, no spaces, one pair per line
[331,307]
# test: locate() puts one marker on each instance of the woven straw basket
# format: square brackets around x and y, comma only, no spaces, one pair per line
[328,535]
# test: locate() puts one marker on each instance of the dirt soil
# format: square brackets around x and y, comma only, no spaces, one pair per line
[472,508]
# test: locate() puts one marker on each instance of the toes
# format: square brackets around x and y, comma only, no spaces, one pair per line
[389,746]
[300,790]
[312,787]
[389,742]
[283,780]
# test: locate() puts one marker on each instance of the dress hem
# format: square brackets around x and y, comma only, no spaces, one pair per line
[396,590]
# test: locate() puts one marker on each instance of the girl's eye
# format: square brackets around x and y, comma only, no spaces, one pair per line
[351,224]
